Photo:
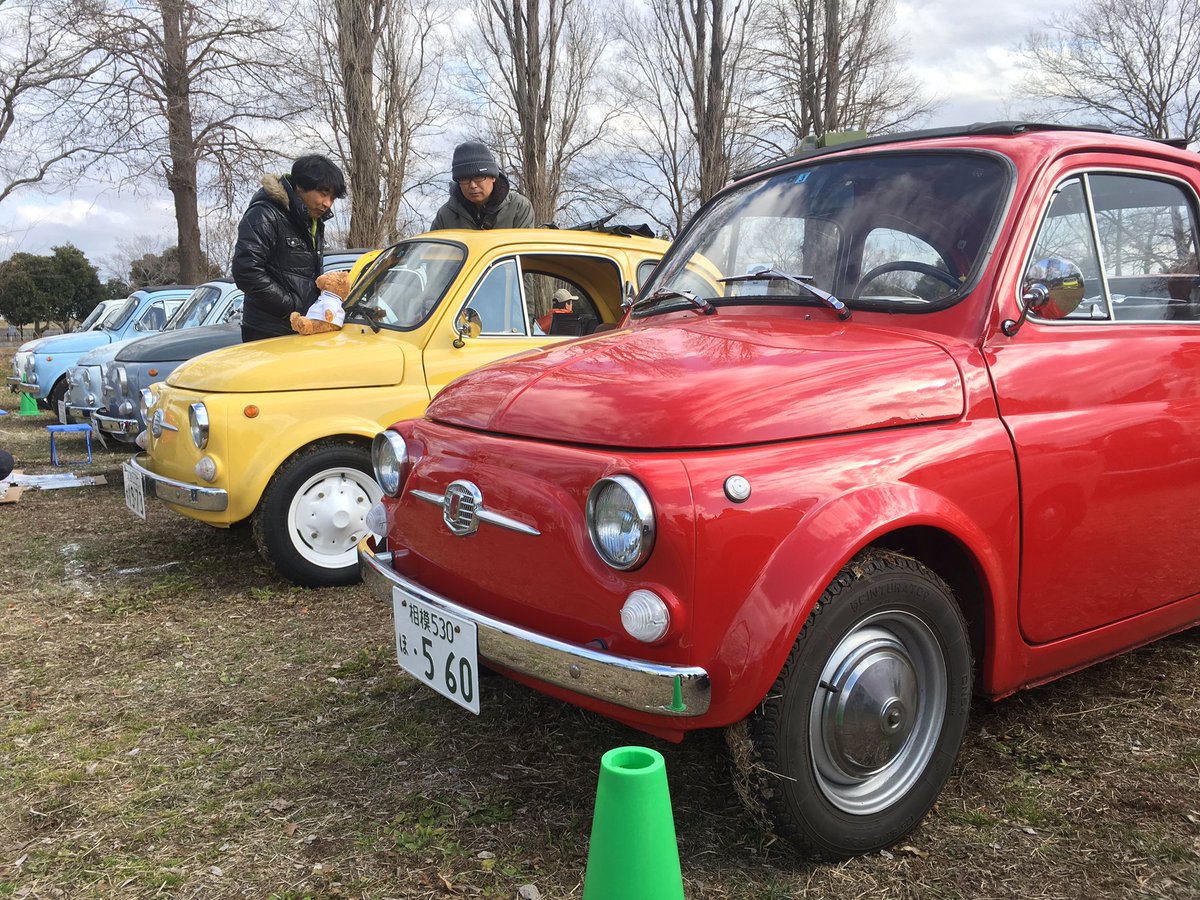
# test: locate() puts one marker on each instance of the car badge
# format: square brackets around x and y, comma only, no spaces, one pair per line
[460,508]
[156,423]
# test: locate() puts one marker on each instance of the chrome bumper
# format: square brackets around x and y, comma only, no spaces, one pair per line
[13,382]
[26,387]
[116,426]
[180,493]
[631,683]
[82,412]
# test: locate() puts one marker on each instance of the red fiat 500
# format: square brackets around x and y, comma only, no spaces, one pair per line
[893,423]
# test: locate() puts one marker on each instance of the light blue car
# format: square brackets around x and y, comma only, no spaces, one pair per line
[44,371]
[213,302]
[93,320]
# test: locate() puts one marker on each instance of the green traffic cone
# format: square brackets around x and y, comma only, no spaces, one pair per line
[28,405]
[633,854]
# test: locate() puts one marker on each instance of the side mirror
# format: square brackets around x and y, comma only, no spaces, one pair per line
[1053,288]
[466,324]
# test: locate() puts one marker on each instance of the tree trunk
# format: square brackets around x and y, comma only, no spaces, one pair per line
[357,39]
[181,174]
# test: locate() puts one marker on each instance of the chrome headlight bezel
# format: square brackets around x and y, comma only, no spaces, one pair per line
[198,421]
[146,401]
[389,459]
[609,501]
[122,379]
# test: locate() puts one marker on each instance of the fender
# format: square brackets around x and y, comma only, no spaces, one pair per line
[828,533]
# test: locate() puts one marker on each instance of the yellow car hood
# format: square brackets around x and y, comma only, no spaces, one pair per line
[350,358]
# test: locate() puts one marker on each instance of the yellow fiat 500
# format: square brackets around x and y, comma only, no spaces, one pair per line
[279,431]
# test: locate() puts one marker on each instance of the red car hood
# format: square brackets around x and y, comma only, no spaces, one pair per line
[714,382]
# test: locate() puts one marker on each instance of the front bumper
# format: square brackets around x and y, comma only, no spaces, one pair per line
[13,382]
[26,386]
[180,493]
[113,425]
[632,683]
[81,412]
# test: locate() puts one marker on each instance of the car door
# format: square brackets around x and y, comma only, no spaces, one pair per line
[498,316]
[1103,406]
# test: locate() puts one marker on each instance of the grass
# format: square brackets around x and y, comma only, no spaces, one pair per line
[171,727]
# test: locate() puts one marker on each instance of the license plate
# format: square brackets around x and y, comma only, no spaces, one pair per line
[135,490]
[62,412]
[438,648]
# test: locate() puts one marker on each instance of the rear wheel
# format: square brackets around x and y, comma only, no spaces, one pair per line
[862,727]
[57,393]
[313,514]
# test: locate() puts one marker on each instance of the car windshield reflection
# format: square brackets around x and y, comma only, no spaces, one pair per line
[406,283]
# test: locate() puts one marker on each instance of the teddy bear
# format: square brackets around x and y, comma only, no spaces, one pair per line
[327,313]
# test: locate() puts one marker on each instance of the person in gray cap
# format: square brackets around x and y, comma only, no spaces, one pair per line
[480,195]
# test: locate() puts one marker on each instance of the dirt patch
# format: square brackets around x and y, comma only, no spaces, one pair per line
[176,720]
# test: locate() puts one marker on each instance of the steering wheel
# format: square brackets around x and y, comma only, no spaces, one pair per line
[907,265]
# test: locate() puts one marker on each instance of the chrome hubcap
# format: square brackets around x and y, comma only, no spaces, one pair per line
[877,712]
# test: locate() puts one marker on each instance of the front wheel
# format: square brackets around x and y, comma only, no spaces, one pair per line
[861,729]
[313,514]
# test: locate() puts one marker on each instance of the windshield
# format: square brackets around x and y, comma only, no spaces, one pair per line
[195,309]
[896,231]
[404,285]
[119,315]
[93,317]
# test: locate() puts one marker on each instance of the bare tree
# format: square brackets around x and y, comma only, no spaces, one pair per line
[1134,65]
[45,128]
[376,84]
[190,89]
[534,79]
[834,65]
[689,93]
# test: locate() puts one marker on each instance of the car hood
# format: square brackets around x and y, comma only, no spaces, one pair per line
[72,343]
[168,346]
[349,358]
[714,382]
[107,353]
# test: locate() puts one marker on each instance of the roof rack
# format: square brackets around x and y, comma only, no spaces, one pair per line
[977,128]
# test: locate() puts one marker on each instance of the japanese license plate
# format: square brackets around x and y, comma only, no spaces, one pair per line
[135,490]
[438,648]
[62,412]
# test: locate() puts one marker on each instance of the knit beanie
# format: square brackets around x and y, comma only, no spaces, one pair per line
[472,158]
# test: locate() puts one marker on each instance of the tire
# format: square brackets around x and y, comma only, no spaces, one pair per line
[57,393]
[861,729]
[312,514]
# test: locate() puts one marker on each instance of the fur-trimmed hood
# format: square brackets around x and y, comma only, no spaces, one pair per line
[278,189]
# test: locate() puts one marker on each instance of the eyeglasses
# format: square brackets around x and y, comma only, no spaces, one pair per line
[474,179]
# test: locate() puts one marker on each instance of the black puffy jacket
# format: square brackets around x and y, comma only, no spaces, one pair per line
[277,258]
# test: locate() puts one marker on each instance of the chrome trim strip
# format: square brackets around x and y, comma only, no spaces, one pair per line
[180,493]
[483,514]
[114,425]
[631,683]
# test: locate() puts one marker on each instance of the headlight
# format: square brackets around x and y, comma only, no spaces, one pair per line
[389,456]
[146,404]
[198,419]
[620,521]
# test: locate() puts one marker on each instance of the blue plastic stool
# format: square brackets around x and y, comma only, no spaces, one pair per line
[56,430]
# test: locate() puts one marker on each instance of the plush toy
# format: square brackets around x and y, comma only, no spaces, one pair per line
[327,313]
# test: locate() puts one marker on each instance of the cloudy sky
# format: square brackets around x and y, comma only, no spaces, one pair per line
[960,50]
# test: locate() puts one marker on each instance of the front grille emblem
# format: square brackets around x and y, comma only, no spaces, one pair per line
[460,507]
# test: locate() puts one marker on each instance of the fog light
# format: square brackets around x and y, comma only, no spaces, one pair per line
[645,616]
[143,439]
[206,469]
[377,520]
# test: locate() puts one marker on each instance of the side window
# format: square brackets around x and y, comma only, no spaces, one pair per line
[1145,267]
[644,270]
[152,319]
[233,313]
[497,300]
[1147,231]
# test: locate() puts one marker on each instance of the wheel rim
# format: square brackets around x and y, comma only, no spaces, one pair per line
[327,516]
[877,712]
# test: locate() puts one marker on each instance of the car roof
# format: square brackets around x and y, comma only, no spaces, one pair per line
[481,240]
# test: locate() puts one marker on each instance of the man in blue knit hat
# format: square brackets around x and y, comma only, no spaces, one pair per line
[480,195]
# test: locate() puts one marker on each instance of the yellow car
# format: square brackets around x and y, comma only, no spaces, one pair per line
[279,431]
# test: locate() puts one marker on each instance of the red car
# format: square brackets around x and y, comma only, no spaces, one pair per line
[894,423]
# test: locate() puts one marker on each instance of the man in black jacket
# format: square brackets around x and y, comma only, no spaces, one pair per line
[278,254]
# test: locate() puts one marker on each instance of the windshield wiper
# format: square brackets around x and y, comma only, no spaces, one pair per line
[670,294]
[367,315]
[770,273]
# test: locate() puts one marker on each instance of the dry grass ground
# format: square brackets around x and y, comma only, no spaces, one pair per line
[176,720]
